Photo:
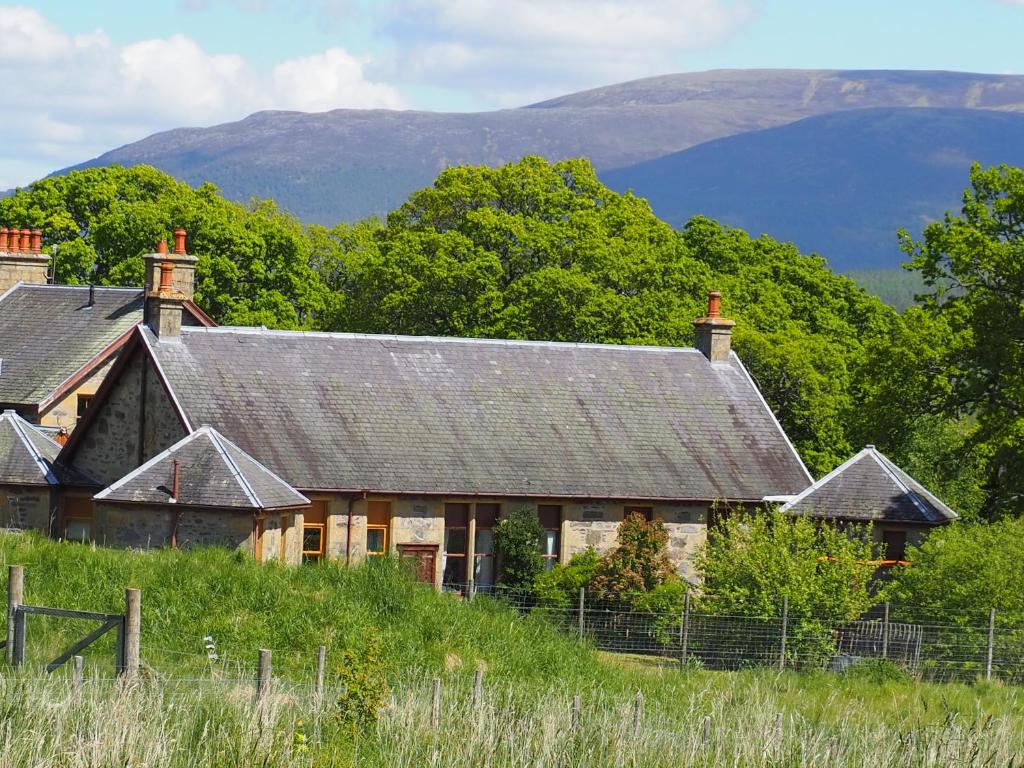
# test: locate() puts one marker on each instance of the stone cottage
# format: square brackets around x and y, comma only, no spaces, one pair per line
[416,446]
[57,342]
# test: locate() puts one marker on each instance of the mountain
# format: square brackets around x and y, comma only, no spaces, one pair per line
[346,164]
[839,184]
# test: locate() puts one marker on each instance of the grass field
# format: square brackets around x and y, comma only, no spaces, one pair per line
[190,711]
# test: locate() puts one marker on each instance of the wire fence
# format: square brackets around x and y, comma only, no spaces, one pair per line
[963,647]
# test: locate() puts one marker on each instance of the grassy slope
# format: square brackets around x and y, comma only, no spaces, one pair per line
[532,671]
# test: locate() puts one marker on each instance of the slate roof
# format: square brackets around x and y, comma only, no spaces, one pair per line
[26,455]
[49,333]
[870,488]
[348,412]
[213,472]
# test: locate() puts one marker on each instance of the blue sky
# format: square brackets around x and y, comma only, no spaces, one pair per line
[89,76]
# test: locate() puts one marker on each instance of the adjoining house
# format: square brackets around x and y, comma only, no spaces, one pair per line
[29,478]
[57,342]
[870,488]
[202,490]
[417,446]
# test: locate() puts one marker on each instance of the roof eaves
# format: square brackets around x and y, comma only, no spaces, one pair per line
[44,466]
[65,387]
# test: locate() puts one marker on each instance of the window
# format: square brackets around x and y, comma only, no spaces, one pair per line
[314,532]
[78,519]
[895,545]
[483,567]
[83,404]
[551,521]
[378,516]
[456,523]
[647,513]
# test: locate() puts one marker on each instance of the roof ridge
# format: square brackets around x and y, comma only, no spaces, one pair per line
[883,462]
[254,331]
[64,287]
[263,467]
[249,491]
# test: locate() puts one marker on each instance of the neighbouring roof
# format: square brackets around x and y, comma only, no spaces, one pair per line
[350,412]
[26,455]
[212,472]
[870,488]
[48,333]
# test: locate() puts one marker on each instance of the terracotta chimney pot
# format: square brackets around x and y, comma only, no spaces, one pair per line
[179,241]
[3,239]
[166,277]
[714,303]
[14,240]
[26,240]
[161,247]
[37,240]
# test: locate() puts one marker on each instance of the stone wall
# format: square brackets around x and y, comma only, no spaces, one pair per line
[148,526]
[27,507]
[28,268]
[136,422]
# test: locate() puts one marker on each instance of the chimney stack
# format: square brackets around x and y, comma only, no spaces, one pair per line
[165,305]
[714,332]
[21,257]
[183,265]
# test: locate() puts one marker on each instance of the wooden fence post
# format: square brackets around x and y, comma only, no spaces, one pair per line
[705,729]
[991,642]
[583,597]
[478,688]
[435,704]
[263,675]
[638,713]
[785,627]
[684,631]
[78,673]
[15,596]
[132,632]
[321,670]
[577,706]
[885,632]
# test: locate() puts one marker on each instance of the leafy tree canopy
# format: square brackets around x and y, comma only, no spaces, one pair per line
[254,263]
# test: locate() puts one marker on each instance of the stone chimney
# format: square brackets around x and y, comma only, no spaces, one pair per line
[184,268]
[21,258]
[165,305]
[714,332]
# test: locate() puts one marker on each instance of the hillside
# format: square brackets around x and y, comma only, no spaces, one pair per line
[346,164]
[840,184]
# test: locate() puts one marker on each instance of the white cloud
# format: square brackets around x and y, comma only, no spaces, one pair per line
[70,98]
[551,46]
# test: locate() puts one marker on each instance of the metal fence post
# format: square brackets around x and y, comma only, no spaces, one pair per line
[785,627]
[15,596]
[885,632]
[991,642]
[18,651]
[684,631]
[583,597]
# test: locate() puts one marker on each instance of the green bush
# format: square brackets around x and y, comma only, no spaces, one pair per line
[518,538]
[560,587]
[364,681]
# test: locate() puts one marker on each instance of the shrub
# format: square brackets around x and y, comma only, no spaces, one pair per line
[639,563]
[560,587]
[517,540]
[364,684]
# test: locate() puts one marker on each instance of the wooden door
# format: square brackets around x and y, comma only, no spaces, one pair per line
[257,539]
[424,558]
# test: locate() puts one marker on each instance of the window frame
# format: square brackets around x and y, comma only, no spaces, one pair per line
[314,555]
[550,561]
[384,549]
[89,518]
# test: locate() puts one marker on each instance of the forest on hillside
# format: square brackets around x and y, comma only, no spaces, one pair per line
[539,250]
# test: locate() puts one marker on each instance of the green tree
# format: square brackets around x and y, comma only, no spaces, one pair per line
[254,262]
[752,561]
[639,563]
[973,265]
[517,541]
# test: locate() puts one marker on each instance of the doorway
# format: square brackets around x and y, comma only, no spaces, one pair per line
[424,560]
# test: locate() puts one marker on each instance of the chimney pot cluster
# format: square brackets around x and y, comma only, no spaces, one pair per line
[21,240]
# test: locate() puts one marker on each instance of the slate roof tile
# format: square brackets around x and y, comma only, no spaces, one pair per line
[871,488]
[472,416]
[26,455]
[212,472]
